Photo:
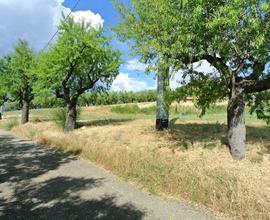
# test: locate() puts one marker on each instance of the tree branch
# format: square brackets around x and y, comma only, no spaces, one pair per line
[251,86]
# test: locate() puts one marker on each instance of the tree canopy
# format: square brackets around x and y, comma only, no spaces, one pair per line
[17,76]
[81,60]
[233,36]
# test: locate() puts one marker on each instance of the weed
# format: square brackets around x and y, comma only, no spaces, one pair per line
[256,159]
[10,123]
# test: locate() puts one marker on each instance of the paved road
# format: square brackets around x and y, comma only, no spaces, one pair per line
[38,183]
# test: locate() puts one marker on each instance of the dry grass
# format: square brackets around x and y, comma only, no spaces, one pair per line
[204,174]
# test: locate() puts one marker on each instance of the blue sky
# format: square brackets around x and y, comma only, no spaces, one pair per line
[111,17]
[37,20]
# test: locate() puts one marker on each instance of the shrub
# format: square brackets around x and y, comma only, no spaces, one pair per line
[59,117]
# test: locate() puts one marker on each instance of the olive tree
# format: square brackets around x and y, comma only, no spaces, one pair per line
[81,60]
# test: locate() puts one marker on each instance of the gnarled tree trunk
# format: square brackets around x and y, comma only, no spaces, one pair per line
[162,114]
[25,111]
[236,126]
[71,117]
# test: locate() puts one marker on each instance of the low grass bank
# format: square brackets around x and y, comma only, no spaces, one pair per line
[189,162]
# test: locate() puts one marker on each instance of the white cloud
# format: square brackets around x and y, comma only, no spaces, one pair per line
[204,67]
[35,21]
[135,65]
[176,79]
[124,83]
[201,66]
[88,17]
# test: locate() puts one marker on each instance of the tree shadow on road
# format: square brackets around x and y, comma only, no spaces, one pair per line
[22,160]
[59,198]
[24,196]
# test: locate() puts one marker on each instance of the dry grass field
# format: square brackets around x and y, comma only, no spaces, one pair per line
[189,162]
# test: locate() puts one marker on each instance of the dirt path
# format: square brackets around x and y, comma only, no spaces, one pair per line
[38,183]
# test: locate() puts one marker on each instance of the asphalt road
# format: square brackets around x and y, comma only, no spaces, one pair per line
[39,183]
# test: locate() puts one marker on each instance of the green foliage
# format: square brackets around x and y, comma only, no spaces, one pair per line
[4,64]
[19,76]
[111,98]
[81,60]
[204,90]
[59,117]
[260,105]
[233,36]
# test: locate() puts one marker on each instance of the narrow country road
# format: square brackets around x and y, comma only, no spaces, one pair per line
[39,183]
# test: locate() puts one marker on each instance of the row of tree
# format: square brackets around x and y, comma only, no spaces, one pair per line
[121,97]
[81,60]
[231,35]
[170,36]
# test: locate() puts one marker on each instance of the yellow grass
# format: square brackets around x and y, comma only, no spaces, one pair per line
[204,174]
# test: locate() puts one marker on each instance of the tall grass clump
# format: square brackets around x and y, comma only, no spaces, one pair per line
[10,123]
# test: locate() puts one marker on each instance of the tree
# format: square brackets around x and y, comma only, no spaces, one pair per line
[3,88]
[81,60]
[18,77]
[233,36]
[138,27]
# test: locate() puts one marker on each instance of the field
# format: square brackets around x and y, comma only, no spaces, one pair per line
[189,162]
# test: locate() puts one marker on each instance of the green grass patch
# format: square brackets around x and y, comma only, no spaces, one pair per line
[133,109]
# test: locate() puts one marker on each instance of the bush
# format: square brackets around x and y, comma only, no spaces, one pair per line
[59,117]
[10,123]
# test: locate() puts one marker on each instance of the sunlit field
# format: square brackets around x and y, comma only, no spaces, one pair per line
[190,161]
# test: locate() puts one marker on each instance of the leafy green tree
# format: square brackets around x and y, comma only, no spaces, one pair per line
[81,60]
[233,36]
[3,88]
[17,77]
[139,28]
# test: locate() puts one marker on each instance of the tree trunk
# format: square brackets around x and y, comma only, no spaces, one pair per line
[1,111]
[162,114]
[71,117]
[25,111]
[236,126]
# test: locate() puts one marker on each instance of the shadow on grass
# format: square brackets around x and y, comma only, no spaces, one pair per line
[26,195]
[102,122]
[212,132]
